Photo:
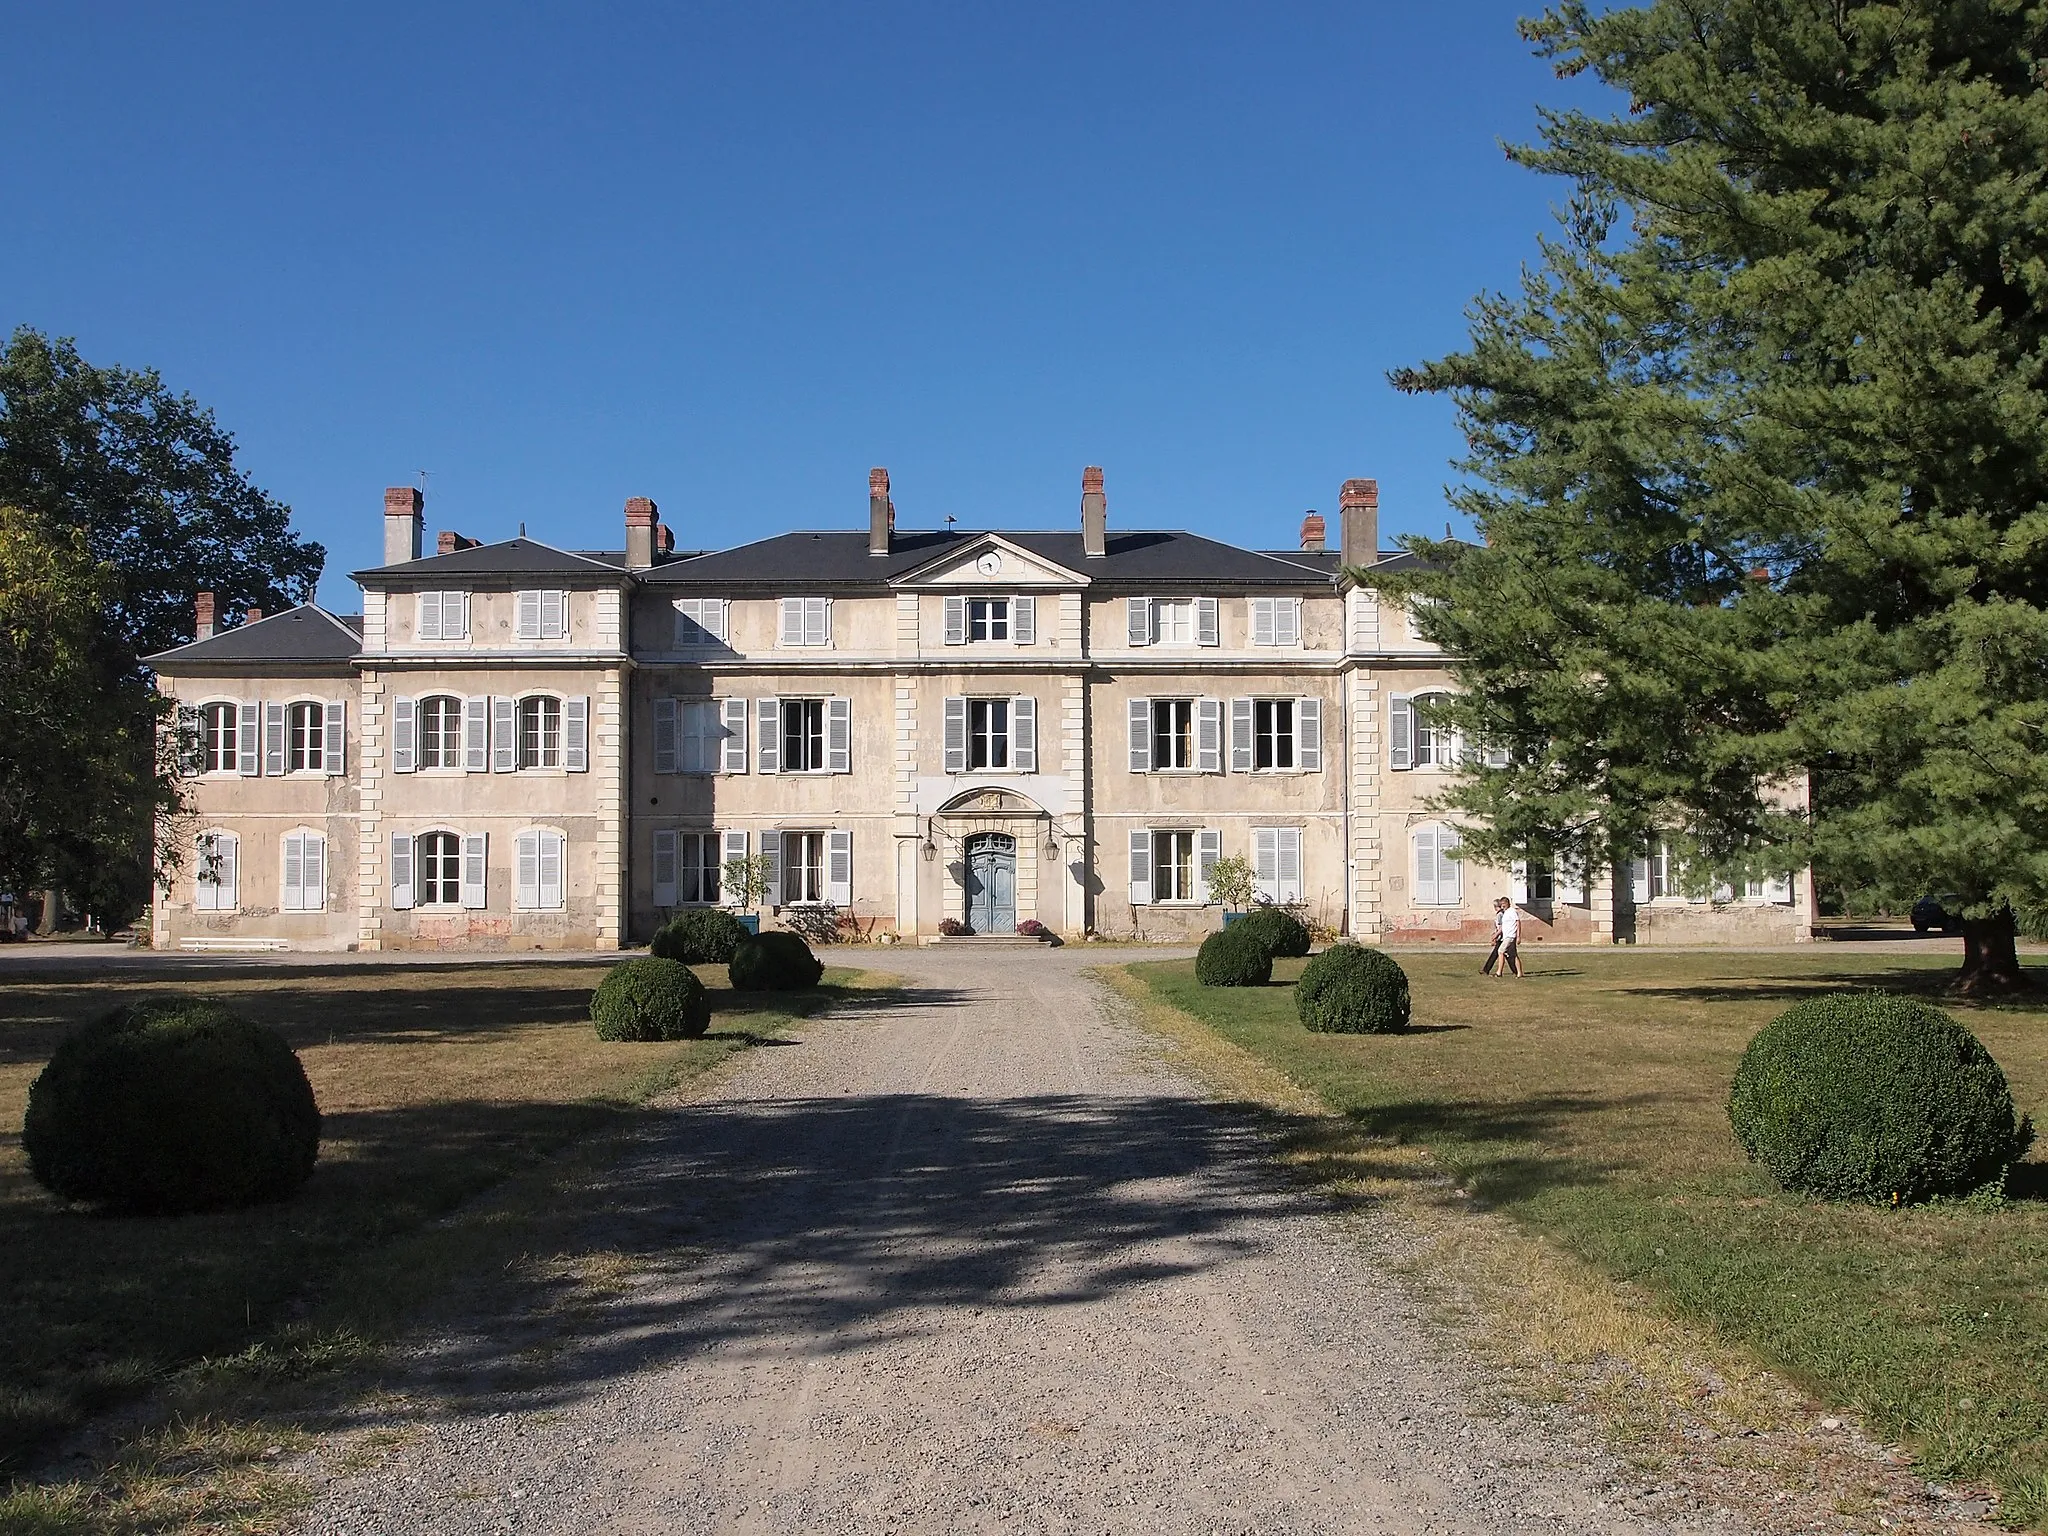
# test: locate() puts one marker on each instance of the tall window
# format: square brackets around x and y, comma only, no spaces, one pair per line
[540,732]
[700,736]
[698,862]
[803,867]
[1173,866]
[1173,621]
[1273,733]
[438,878]
[1439,876]
[988,618]
[988,732]
[216,874]
[305,738]
[1435,745]
[1173,733]
[440,729]
[305,872]
[803,736]
[217,739]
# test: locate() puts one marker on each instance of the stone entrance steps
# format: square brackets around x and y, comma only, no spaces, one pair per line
[987,940]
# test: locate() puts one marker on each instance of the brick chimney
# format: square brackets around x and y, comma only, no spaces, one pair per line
[448,541]
[404,524]
[1312,531]
[664,539]
[253,616]
[1358,523]
[1094,513]
[202,616]
[881,513]
[640,521]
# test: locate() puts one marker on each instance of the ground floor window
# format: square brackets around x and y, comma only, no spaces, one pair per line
[1439,875]
[538,884]
[697,866]
[438,875]
[1173,866]
[215,875]
[803,867]
[305,873]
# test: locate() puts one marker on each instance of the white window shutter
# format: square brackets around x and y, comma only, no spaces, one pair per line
[1400,732]
[1308,735]
[554,615]
[664,869]
[401,872]
[1138,620]
[273,739]
[1141,869]
[189,746]
[1518,882]
[1208,735]
[476,735]
[1287,621]
[1024,620]
[248,757]
[576,734]
[715,614]
[1263,619]
[1639,880]
[768,730]
[504,735]
[1425,866]
[792,621]
[823,626]
[476,883]
[1568,881]
[734,846]
[405,735]
[1450,870]
[1024,734]
[1208,849]
[461,607]
[771,866]
[313,873]
[1778,889]
[426,622]
[1287,864]
[1241,756]
[230,870]
[526,616]
[1266,862]
[1208,630]
[554,849]
[334,738]
[839,867]
[956,621]
[955,743]
[734,713]
[526,871]
[1141,735]
[839,734]
[664,738]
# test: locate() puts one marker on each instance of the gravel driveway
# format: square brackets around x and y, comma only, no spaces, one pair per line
[972,1259]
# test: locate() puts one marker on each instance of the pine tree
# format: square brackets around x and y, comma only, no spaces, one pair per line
[1759,450]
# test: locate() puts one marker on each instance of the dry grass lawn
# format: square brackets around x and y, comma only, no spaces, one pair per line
[1588,1104]
[435,1083]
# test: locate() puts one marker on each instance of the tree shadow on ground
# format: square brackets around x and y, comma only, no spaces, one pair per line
[1911,981]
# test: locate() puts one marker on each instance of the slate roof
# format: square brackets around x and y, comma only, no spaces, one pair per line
[508,557]
[307,633]
[1132,557]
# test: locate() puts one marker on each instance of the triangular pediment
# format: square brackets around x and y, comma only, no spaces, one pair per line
[991,561]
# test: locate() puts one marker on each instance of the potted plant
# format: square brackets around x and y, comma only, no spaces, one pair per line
[1232,882]
[746,882]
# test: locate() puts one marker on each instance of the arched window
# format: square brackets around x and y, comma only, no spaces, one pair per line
[440,733]
[1414,740]
[438,876]
[218,741]
[305,738]
[540,731]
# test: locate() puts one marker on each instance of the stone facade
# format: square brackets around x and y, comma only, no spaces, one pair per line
[528,748]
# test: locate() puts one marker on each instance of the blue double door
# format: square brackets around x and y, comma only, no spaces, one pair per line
[992,883]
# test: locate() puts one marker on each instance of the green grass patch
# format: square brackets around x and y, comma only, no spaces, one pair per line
[436,1084]
[1589,1103]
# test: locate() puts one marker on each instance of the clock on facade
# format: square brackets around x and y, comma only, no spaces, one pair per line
[989,563]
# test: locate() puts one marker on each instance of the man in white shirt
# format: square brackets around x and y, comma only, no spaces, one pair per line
[1510,939]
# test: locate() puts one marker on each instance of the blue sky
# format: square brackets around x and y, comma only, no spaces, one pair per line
[730,256]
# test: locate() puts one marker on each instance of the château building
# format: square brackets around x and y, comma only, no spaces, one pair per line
[515,746]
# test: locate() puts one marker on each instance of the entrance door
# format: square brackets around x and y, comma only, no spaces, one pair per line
[992,883]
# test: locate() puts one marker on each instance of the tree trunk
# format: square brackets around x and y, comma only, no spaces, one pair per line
[46,924]
[1991,961]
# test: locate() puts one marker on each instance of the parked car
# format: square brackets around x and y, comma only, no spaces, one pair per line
[1938,912]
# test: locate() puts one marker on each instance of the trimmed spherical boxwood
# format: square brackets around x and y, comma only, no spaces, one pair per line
[650,999]
[172,1105]
[774,962]
[1351,990]
[700,936]
[1233,958]
[1875,1098]
[1284,935]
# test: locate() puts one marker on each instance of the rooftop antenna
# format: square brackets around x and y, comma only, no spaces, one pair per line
[950,521]
[423,482]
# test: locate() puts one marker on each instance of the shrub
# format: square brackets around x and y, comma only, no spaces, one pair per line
[774,962]
[171,1105]
[1233,958]
[700,936]
[1031,928]
[1351,990]
[1874,1098]
[953,928]
[1284,935]
[650,999]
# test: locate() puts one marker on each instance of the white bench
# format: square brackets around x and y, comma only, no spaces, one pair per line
[233,946]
